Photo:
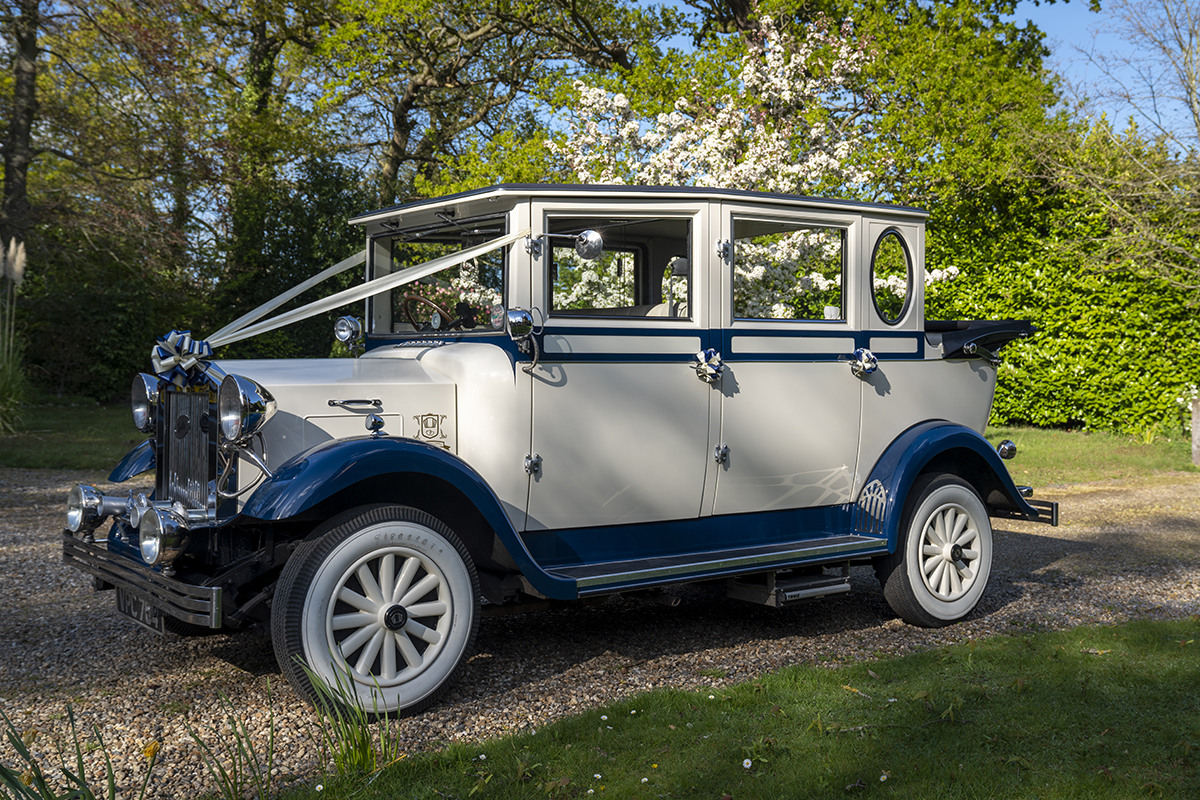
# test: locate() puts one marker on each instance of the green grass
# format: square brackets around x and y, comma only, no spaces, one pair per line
[1054,457]
[70,434]
[1088,713]
[79,434]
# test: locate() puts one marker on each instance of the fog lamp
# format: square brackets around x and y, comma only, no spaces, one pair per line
[83,508]
[162,535]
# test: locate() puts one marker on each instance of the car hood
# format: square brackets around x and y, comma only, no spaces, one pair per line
[322,399]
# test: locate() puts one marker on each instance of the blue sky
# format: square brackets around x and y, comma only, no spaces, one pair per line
[1069,26]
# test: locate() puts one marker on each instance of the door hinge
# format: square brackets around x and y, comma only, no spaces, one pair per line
[533,464]
[724,249]
[721,454]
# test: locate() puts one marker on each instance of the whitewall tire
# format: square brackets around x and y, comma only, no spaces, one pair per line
[385,603]
[943,556]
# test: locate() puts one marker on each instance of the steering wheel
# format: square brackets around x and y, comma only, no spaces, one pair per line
[446,318]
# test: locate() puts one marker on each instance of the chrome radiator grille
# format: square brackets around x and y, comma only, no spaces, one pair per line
[183,434]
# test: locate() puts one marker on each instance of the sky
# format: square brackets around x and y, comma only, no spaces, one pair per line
[1069,28]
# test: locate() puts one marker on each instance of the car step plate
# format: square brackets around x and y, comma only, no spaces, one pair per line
[783,589]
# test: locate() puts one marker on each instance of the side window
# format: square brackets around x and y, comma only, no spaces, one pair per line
[891,277]
[642,269]
[788,270]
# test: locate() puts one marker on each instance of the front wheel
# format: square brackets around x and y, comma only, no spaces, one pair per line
[383,608]
[944,554]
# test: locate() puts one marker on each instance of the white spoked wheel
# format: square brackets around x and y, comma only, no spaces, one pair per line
[944,557]
[383,608]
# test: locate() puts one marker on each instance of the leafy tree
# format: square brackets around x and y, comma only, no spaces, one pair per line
[1144,179]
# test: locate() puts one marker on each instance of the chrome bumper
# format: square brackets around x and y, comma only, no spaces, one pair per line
[199,605]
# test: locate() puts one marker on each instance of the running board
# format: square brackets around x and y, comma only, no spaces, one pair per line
[635,573]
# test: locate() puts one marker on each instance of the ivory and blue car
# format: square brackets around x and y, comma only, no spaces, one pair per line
[560,392]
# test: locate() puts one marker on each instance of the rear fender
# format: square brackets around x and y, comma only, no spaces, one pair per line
[934,447]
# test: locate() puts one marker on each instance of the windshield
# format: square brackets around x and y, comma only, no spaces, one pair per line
[466,297]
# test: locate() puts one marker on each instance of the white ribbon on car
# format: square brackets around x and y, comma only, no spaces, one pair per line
[177,353]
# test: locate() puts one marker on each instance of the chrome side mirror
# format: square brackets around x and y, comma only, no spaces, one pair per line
[520,328]
[589,245]
[520,324]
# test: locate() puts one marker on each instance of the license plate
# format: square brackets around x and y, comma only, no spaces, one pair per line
[139,611]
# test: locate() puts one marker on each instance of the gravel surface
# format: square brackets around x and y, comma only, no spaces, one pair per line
[1124,550]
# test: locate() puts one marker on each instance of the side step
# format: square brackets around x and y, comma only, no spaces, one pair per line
[787,587]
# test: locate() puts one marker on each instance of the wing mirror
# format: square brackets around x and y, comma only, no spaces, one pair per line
[520,324]
[588,245]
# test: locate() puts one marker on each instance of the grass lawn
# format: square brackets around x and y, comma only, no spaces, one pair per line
[78,434]
[1052,457]
[70,434]
[1087,713]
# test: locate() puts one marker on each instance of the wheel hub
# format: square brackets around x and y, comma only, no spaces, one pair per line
[395,617]
[956,553]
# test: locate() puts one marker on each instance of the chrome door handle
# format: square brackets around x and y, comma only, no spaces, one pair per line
[376,403]
[863,363]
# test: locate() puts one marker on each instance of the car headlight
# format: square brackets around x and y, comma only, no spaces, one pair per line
[144,396]
[243,407]
[162,535]
[83,507]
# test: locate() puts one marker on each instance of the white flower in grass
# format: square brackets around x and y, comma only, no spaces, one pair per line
[747,763]
[645,780]
[597,776]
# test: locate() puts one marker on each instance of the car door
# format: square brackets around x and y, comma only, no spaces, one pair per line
[621,422]
[790,405]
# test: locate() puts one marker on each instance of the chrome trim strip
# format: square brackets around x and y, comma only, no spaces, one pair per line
[845,544]
[199,605]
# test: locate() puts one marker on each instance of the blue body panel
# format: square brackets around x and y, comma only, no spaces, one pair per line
[912,450]
[138,460]
[319,473]
[578,546]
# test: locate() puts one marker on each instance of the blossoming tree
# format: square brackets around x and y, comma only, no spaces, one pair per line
[791,123]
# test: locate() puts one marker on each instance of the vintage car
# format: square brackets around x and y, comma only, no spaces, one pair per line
[561,392]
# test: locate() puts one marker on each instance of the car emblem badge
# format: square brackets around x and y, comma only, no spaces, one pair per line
[429,429]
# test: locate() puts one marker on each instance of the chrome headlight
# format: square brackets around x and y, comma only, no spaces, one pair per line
[144,401]
[347,329]
[243,407]
[162,535]
[83,507]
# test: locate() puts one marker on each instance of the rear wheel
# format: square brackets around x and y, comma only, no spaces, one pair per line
[383,607]
[944,555]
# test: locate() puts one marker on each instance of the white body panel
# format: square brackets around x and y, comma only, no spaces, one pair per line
[622,439]
[620,443]
[902,393]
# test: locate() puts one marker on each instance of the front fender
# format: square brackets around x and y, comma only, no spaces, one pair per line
[138,460]
[321,472]
[881,504]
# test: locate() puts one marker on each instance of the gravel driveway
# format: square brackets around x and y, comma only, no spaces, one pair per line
[1124,550]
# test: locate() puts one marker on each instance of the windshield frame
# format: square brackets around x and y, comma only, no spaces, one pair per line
[474,230]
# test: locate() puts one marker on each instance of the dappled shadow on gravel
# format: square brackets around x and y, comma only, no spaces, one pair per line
[1124,550]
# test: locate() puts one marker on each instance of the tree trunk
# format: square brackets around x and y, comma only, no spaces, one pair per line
[18,147]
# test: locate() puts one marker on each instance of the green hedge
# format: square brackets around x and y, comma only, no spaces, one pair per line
[1114,348]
